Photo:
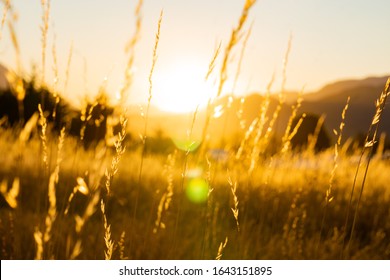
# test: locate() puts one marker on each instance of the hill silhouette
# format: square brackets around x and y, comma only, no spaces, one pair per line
[231,117]
[331,99]
[329,102]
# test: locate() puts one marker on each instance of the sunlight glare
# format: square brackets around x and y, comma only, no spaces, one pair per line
[181,87]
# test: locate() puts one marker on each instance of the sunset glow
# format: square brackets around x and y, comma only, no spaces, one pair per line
[182,87]
[194,130]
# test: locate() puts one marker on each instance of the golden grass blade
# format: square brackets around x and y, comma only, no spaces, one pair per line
[7,6]
[130,48]
[220,249]
[370,138]
[45,5]
[107,234]
[11,195]
[43,124]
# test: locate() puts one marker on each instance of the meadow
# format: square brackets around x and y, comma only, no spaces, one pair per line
[251,196]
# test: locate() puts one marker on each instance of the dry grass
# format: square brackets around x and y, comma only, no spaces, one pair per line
[269,204]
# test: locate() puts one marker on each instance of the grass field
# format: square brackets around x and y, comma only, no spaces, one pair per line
[282,210]
[254,198]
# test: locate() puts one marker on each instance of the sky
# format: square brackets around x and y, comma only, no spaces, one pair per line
[331,40]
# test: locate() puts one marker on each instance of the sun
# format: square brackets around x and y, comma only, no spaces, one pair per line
[181,87]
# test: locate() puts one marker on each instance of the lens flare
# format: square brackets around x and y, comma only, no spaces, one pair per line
[186,145]
[197,190]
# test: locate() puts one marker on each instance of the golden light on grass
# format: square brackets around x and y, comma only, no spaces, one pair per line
[171,197]
[221,248]
[10,195]
[107,233]
[7,6]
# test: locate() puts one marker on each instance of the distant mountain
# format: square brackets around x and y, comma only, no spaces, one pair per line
[331,99]
[340,87]
[234,120]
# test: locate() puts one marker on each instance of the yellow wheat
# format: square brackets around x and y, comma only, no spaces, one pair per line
[7,6]
[221,248]
[107,234]
[45,5]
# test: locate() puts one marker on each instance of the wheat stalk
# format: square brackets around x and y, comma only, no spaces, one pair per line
[67,70]
[43,124]
[38,237]
[11,195]
[154,60]
[241,58]
[143,137]
[276,113]
[329,192]
[121,245]
[235,37]
[130,48]
[235,210]
[45,5]
[371,139]
[120,150]
[313,138]
[220,249]
[286,139]
[256,150]
[42,239]
[56,78]
[89,211]
[329,195]
[80,187]
[107,234]
[209,107]
[166,198]
[77,249]
[290,136]
[6,8]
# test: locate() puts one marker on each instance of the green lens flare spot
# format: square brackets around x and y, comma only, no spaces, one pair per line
[197,190]
[186,145]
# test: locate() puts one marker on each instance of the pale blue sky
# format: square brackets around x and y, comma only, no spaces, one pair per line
[332,39]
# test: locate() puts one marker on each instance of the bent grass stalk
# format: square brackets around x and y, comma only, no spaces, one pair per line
[67,70]
[257,143]
[313,138]
[209,107]
[143,137]
[130,48]
[45,5]
[233,90]
[329,192]
[120,150]
[235,37]
[121,245]
[235,210]
[275,115]
[290,136]
[56,78]
[220,249]
[107,234]
[6,8]
[369,142]
[154,60]
[166,198]
[286,139]
[43,124]
[42,238]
